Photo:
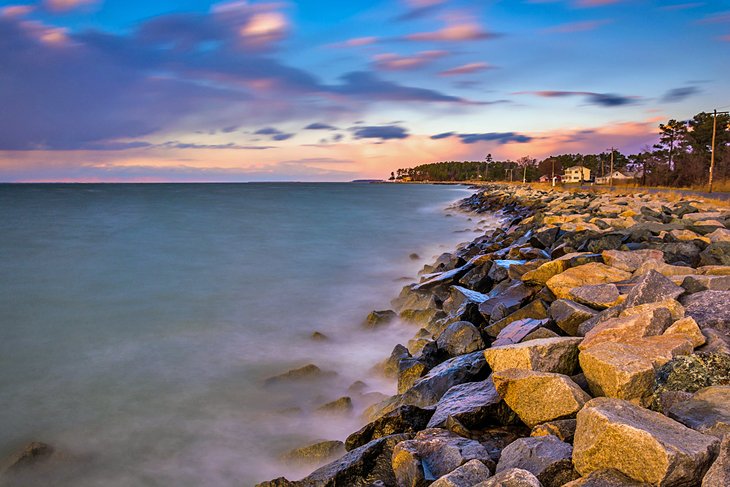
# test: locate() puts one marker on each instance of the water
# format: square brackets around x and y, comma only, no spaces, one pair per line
[137,322]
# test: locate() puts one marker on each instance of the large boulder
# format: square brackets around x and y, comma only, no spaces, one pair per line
[719,472]
[506,301]
[559,355]
[606,478]
[513,477]
[460,338]
[430,388]
[710,309]
[469,474]
[474,405]
[516,331]
[433,453]
[599,296]
[316,453]
[708,411]
[628,328]
[687,328]
[568,315]
[404,419]
[629,261]
[691,373]
[538,397]
[534,309]
[642,444]
[546,457]
[586,274]
[379,318]
[650,288]
[389,367]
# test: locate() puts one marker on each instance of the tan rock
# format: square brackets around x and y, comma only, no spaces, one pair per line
[537,397]
[630,260]
[714,270]
[667,270]
[559,355]
[719,235]
[674,307]
[642,444]
[543,273]
[562,428]
[687,328]
[628,328]
[687,236]
[586,274]
[615,370]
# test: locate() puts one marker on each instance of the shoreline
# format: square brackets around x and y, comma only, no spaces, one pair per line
[508,293]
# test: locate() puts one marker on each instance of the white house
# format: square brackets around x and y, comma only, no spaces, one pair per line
[620,177]
[577,174]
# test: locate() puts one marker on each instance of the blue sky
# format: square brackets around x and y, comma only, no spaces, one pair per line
[111,90]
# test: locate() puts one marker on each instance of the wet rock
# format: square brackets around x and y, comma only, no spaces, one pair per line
[535,310]
[404,419]
[414,256]
[460,298]
[544,238]
[558,355]
[587,274]
[629,261]
[650,288]
[516,331]
[338,406]
[478,278]
[473,405]
[357,387]
[409,371]
[537,397]
[429,389]
[431,454]
[316,453]
[563,429]
[568,315]
[389,367]
[379,318]
[308,372]
[546,457]
[708,411]
[419,341]
[628,328]
[599,296]
[460,338]
[719,472]
[500,269]
[318,336]
[710,309]
[642,444]
[513,477]
[32,454]
[606,478]
[469,474]
[508,301]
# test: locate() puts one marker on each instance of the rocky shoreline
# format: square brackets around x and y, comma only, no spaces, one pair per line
[584,343]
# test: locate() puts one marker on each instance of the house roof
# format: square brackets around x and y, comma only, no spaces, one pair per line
[577,167]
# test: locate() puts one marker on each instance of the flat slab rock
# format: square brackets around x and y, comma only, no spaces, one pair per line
[708,411]
[719,472]
[474,405]
[644,445]
[710,309]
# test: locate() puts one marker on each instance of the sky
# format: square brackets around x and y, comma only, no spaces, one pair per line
[332,90]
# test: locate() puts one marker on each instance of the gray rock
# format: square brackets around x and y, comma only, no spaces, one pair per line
[389,367]
[500,269]
[429,389]
[546,457]
[719,472]
[606,478]
[507,301]
[379,318]
[695,284]
[474,404]
[338,406]
[710,309]
[308,372]
[472,472]
[568,315]
[409,371]
[433,453]
[599,296]
[29,456]
[316,453]
[708,411]
[535,309]
[650,288]
[460,338]
[717,253]
[514,477]
[404,419]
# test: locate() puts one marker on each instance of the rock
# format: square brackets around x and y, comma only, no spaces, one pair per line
[404,419]
[542,274]
[539,334]
[642,444]
[32,454]
[357,387]
[628,328]
[691,373]
[695,284]
[599,296]
[687,236]
[379,318]
[717,253]
[719,472]
[629,261]
[719,235]
[708,411]
[615,370]
[710,309]
[419,341]
[675,309]
[389,367]
[429,389]
[500,269]
[564,429]
[534,309]
[474,404]
[431,454]
[537,397]
[414,256]
[650,288]
[506,302]
[714,270]
[606,478]
[687,328]
[469,474]
[516,331]
[568,315]
[478,278]
[717,342]
[358,468]
[341,405]
[308,372]
[460,298]
[409,371]
[316,453]
[460,338]
[558,355]
[666,270]
[318,336]
[513,477]
[592,273]
[546,457]
[544,238]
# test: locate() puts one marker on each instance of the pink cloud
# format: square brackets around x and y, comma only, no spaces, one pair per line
[465,31]
[264,27]
[394,62]
[16,10]
[595,3]
[357,42]
[578,26]
[66,5]
[717,18]
[467,69]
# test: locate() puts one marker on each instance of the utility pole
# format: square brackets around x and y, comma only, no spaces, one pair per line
[524,175]
[714,134]
[610,175]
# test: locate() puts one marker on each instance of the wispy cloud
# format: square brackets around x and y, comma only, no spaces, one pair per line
[395,62]
[66,5]
[499,137]
[468,68]
[584,26]
[600,99]
[382,132]
[455,32]
[679,94]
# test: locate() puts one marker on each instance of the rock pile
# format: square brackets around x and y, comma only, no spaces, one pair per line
[584,343]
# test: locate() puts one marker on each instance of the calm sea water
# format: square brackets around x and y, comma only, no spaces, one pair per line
[137,322]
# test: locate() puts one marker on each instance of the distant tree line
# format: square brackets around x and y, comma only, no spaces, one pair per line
[681,157]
